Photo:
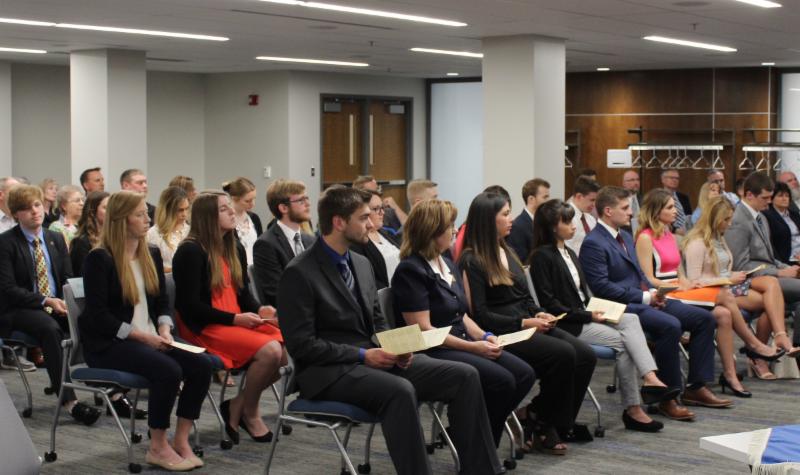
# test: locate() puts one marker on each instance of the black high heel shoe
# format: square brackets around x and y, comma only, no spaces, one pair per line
[755,355]
[261,439]
[723,383]
[633,424]
[225,412]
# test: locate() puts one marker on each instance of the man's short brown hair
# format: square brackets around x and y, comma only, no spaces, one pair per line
[417,187]
[280,192]
[531,187]
[21,197]
[362,180]
[609,196]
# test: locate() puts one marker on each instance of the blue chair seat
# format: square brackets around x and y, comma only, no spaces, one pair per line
[111,376]
[18,337]
[604,352]
[331,409]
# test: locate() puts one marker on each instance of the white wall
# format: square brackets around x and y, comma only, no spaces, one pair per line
[305,89]
[241,139]
[40,114]
[175,129]
[457,142]
[789,118]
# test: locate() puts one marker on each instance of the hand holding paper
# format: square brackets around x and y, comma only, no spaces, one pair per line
[186,347]
[516,337]
[612,311]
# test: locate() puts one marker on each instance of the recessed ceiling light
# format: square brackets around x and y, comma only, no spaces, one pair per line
[444,51]
[768,64]
[604,69]
[113,29]
[311,61]
[368,11]
[22,50]
[452,74]
[693,44]
[761,3]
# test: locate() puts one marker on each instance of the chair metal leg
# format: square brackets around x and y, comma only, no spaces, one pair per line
[287,429]
[273,445]
[224,442]
[121,428]
[438,422]
[345,441]
[51,455]
[343,449]
[599,431]
[29,395]
[511,462]
[135,438]
[366,467]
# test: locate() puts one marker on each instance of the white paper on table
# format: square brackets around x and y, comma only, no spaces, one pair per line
[612,311]
[516,337]
[410,339]
[186,347]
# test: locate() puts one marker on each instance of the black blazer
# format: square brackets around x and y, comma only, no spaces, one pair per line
[17,274]
[79,248]
[192,273]
[521,237]
[151,213]
[256,222]
[556,289]
[322,323]
[272,252]
[105,310]
[687,205]
[780,235]
[371,252]
[416,288]
[499,308]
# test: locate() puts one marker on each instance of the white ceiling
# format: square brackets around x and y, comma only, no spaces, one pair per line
[597,32]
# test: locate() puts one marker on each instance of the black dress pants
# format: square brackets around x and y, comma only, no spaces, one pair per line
[164,370]
[564,366]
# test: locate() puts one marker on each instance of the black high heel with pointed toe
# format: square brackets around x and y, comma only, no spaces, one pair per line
[723,383]
[261,439]
[633,424]
[756,355]
[225,411]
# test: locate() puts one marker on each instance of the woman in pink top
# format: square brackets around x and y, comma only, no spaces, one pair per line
[708,258]
[660,259]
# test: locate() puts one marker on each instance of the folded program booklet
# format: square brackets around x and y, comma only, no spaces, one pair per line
[410,339]
[187,347]
[612,311]
[516,337]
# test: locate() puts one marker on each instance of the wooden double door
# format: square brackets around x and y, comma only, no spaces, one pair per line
[367,136]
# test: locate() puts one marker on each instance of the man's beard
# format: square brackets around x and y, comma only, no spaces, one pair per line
[296,217]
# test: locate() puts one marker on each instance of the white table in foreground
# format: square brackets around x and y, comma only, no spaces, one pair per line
[730,446]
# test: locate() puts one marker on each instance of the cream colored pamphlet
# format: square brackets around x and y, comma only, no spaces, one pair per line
[756,269]
[410,339]
[185,347]
[612,311]
[516,337]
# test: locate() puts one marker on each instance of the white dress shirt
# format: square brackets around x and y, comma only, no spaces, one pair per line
[290,234]
[6,222]
[580,234]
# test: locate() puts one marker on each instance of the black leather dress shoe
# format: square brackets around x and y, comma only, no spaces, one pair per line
[84,413]
[123,407]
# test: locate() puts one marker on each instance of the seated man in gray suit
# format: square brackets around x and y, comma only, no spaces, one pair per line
[749,240]
[281,242]
[329,313]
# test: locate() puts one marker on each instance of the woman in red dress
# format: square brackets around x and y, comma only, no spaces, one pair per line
[217,311]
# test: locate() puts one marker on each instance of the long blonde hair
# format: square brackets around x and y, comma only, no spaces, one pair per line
[705,190]
[115,233]
[707,227]
[205,231]
[654,201]
[167,211]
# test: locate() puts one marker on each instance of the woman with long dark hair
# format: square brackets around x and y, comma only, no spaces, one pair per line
[562,288]
[126,326]
[90,228]
[495,280]
[217,311]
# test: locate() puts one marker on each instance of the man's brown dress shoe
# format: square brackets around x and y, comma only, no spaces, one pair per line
[704,397]
[675,411]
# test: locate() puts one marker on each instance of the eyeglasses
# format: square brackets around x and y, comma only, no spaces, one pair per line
[377,210]
[303,199]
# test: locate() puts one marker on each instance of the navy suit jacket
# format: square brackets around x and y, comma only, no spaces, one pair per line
[521,237]
[612,273]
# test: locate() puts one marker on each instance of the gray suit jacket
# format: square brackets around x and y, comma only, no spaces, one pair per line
[323,325]
[750,245]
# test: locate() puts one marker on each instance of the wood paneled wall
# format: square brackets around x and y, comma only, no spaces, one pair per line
[604,105]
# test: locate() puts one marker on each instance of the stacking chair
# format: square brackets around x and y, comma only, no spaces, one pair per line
[15,342]
[330,415]
[16,448]
[98,381]
[601,352]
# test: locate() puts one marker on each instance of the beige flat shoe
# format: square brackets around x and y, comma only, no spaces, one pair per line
[197,461]
[183,466]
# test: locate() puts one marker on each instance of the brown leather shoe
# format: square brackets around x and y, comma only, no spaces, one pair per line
[675,411]
[704,397]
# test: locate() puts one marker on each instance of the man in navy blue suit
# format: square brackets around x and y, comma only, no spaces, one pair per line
[534,193]
[609,261]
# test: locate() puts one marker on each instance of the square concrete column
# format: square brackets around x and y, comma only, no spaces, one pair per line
[524,80]
[5,119]
[108,112]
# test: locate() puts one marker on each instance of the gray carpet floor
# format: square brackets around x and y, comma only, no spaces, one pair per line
[99,449]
